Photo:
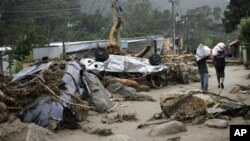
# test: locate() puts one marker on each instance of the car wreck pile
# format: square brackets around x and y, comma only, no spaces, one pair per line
[53,94]
[59,94]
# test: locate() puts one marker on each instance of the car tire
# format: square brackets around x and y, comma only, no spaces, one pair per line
[101,54]
[155,59]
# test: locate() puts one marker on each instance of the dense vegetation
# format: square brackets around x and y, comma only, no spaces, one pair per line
[236,10]
[25,24]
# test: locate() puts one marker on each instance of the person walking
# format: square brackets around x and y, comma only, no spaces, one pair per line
[202,54]
[219,62]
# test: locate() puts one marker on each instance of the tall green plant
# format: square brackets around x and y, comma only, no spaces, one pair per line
[244,30]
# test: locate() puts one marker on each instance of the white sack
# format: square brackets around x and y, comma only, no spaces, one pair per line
[218,47]
[202,52]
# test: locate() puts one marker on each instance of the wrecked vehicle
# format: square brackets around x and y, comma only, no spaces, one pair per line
[55,94]
[104,64]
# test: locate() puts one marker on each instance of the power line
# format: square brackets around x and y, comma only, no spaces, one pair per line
[92,7]
[42,11]
[51,5]
[42,16]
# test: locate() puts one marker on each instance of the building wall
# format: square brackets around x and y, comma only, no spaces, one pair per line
[51,52]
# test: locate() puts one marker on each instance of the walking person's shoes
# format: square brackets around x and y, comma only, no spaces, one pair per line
[222,85]
[205,91]
[218,86]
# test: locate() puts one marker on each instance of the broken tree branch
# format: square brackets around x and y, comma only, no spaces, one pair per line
[74,104]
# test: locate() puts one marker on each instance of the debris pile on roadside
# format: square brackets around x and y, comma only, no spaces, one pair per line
[54,95]
[178,58]
[181,73]
[194,107]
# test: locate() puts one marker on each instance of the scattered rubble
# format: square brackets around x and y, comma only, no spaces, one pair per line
[98,131]
[178,58]
[120,118]
[181,73]
[108,80]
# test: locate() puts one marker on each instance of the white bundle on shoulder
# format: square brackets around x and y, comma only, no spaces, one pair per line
[202,52]
[220,46]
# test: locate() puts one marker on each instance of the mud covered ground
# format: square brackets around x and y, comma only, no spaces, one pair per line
[145,110]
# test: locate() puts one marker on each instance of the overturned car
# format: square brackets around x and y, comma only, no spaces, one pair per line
[104,64]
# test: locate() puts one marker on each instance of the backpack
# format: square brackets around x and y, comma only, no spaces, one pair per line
[219,60]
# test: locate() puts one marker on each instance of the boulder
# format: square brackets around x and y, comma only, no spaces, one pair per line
[235,89]
[128,93]
[18,131]
[217,123]
[208,100]
[169,128]
[182,107]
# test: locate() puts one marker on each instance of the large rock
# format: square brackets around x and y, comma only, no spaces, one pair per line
[18,131]
[235,89]
[209,101]
[182,107]
[128,93]
[99,96]
[118,88]
[4,112]
[120,138]
[171,127]
[217,123]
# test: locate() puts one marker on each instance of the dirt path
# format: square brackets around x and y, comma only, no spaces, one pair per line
[145,110]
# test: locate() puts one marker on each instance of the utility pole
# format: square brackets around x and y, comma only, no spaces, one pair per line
[173,23]
[64,50]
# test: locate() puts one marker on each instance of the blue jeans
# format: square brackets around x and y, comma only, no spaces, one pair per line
[204,81]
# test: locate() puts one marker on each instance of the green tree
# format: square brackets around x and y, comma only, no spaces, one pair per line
[244,29]
[236,10]
[28,24]
[28,37]
[138,18]
[202,25]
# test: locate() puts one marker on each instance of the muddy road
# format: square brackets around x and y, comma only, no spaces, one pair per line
[145,110]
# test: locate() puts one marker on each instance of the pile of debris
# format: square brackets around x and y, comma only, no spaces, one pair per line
[53,94]
[181,73]
[195,107]
[178,58]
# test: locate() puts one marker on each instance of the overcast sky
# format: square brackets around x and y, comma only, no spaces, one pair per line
[181,8]
[184,5]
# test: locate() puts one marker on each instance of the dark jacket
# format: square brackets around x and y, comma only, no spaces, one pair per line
[202,66]
[219,60]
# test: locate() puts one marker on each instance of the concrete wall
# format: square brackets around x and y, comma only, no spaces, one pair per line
[51,52]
